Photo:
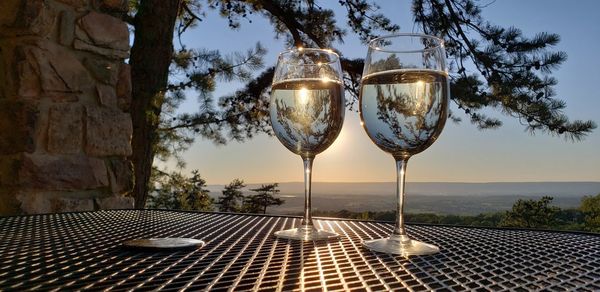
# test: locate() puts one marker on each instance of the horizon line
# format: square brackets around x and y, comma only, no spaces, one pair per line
[445,182]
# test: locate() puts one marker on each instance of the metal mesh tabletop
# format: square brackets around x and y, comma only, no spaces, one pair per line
[83,251]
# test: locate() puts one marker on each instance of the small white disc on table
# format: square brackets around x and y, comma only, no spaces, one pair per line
[164,243]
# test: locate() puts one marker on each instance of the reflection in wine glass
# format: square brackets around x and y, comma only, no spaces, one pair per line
[307,112]
[403,108]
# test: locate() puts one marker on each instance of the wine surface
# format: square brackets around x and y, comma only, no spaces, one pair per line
[404,111]
[307,114]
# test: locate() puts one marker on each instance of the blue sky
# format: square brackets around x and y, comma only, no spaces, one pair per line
[463,153]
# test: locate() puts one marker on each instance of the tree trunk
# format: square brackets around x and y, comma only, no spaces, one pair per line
[150,59]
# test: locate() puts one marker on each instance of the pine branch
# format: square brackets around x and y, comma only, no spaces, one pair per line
[514,67]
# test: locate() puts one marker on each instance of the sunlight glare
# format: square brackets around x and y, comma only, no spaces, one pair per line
[303,96]
[419,92]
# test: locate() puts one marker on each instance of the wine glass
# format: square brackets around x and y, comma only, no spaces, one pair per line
[403,108]
[307,112]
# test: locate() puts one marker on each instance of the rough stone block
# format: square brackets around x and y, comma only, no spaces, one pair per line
[114,202]
[34,203]
[64,172]
[49,68]
[121,175]
[8,12]
[104,71]
[59,205]
[9,168]
[29,13]
[102,34]
[10,205]
[124,87]
[47,202]
[100,171]
[67,66]
[106,31]
[28,72]
[106,95]
[18,121]
[65,129]
[67,28]
[108,132]
[34,17]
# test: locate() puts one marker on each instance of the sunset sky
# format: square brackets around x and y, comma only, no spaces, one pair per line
[463,153]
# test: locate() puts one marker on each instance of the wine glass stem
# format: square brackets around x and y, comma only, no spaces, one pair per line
[399,231]
[307,219]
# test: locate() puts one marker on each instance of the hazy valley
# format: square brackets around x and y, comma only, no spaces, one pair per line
[439,198]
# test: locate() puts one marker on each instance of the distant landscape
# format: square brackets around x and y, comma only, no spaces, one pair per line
[438,198]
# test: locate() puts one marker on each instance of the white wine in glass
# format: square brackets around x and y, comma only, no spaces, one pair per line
[307,113]
[403,107]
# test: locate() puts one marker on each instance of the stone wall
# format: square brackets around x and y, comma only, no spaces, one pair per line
[65,93]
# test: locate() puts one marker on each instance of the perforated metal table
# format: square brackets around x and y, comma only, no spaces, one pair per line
[83,251]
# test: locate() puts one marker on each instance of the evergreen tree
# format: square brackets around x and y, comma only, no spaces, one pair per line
[163,194]
[491,67]
[264,197]
[531,214]
[232,197]
[194,196]
[177,191]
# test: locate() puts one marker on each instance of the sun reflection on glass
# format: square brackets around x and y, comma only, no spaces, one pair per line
[419,92]
[303,96]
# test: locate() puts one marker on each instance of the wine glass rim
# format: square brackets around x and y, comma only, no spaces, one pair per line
[440,42]
[301,49]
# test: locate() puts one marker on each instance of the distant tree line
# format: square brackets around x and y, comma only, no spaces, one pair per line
[530,213]
[179,192]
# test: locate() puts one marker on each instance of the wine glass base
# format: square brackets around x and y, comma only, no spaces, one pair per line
[405,247]
[306,234]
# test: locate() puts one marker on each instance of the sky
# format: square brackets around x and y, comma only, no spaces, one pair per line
[462,153]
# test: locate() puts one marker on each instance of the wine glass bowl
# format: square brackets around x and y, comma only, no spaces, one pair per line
[307,113]
[404,111]
[403,108]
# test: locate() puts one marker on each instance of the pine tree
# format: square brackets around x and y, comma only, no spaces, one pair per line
[264,197]
[194,195]
[232,197]
[177,191]
[491,67]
